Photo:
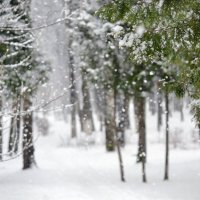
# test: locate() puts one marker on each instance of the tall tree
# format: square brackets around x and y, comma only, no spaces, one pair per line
[70,8]
[24,70]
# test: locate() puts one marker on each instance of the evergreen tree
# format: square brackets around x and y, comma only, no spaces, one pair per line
[24,70]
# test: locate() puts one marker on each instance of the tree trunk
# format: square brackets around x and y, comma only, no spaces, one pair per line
[18,126]
[166,176]
[159,104]
[141,127]
[118,141]
[121,165]
[152,105]
[70,6]
[110,126]
[80,114]
[101,122]
[121,123]
[87,118]
[11,142]
[72,95]
[126,108]
[28,148]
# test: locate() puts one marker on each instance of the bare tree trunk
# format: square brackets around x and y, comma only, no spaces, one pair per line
[166,176]
[121,125]
[12,135]
[182,113]
[70,6]
[141,127]
[99,105]
[18,126]
[126,108]
[152,105]
[72,96]
[124,122]
[136,114]
[1,130]
[87,118]
[101,122]
[144,179]
[80,114]
[118,141]
[180,106]
[121,165]
[160,110]
[28,148]
[110,125]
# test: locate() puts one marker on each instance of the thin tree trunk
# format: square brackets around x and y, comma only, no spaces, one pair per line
[122,120]
[182,113]
[101,122]
[121,165]
[152,105]
[166,176]
[12,135]
[126,107]
[159,104]
[80,115]
[181,110]
[18,126]
[144,179]
[28,148]
[118,142]
[72,95]
[110,119]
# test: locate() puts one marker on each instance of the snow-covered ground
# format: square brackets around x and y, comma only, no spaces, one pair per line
[89,173]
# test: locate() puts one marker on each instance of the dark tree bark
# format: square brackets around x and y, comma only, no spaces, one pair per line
[141,128]
[166,175]
[80,114]
[71,6]
[121,165]
[73,95]
[126,109]
[28,147]
[110,126]
[160,110]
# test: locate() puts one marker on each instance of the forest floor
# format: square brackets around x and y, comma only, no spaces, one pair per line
[89,173]
[92,174]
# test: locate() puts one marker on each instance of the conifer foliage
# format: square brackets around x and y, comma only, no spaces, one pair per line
[23,70]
